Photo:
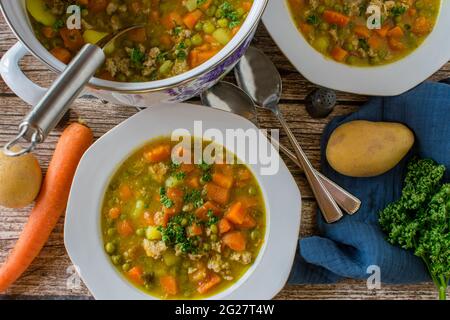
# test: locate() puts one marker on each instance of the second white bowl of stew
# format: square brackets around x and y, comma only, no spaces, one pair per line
[332,43]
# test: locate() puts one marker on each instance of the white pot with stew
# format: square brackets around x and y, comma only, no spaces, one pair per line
[183,47]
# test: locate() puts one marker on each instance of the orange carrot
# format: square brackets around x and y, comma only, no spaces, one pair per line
[190,19]
[124,228]
[135,274]
[50,204]
[203,210]
[337,18]
[248,223]
[62,54]
[169,284]
[374,42]
[216,193]
[383,31]
[209,283]
[395,32]
[137,35]
[224,226]
[235,240]
[195,230]
[236,213]
[361,31]
[114,213]
[97,6]
[396,44]
[222,180]
[73,40]
[158,153]
[421,26]
[339,54]
[125,192]
[48,32]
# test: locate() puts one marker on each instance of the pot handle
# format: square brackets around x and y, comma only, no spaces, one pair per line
[14,77]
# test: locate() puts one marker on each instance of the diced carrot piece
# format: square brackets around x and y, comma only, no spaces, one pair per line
[202,212]
[339,54]
[222,180]
[62,54]
[124,228]
[361,31]
[193,182]
[374,42]
[191,18]
[137,35]
[149,218]
[217,193]
[125,192]
[48,32]
[248,201]
[336,18]
[161,219]
[421,26]
[106,75]
[73,40]
[158,153]
[248,223]
[209,283]
[175,194]
[171,20]
[169,284]
[135,274]
[395,32]
[224,226]
[83,2]
[114,213]
[195,230]
[205,5]
[247,5]
[236,213]
[166,40]
[235,240]
[187,167]
[396,44]
[383,31]
[244,174]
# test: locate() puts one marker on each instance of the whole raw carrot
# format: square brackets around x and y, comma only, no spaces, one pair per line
[50,204]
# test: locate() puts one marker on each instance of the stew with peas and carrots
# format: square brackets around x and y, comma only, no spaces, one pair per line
[181,230]
[338,28]
[176,35]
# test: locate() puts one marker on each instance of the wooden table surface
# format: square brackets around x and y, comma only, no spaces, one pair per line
[49,274]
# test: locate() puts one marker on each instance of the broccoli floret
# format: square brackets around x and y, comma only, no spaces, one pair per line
[420,219]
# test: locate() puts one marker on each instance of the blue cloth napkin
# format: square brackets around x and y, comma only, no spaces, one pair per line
[347,248]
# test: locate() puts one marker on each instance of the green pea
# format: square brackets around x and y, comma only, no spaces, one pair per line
[111,231]
[166,67]
[320,9]
[116,259]
[324,26]
[140,232]
[219,13]
[184,222]
[126,267]
[214,229]
[254,235]
[197,39]
[206,246]
[348,46]
[208,27]
[252,191]
[211,11]
[213,237]
[110,248]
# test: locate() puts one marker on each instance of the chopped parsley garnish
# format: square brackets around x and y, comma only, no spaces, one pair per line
[137,57]
[58,25]
[212,219]
[207,177]
[165,200]
[204,166]
[363,44]
[312,19]
[179,175]
[175,233]
[231,14]
[194,197]
[398,11]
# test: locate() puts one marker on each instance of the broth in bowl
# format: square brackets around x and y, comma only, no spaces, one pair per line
[181,230]
[337,28]
[176,37]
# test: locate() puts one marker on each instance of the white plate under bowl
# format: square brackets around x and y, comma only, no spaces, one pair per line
[386,80]
[82,229]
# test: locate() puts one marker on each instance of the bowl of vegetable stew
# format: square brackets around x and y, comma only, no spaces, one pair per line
[141,226]
[329,42]
[182,48]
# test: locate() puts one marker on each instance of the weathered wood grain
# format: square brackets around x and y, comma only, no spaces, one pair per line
[48,276]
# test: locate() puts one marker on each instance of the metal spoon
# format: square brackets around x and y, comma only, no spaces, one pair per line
[46,114]
[228,97]
[259,77]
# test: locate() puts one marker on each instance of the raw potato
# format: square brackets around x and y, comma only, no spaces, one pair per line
[20,178]
[367,149]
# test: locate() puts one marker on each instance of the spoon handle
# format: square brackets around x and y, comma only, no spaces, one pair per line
[348,202]
[327,205]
